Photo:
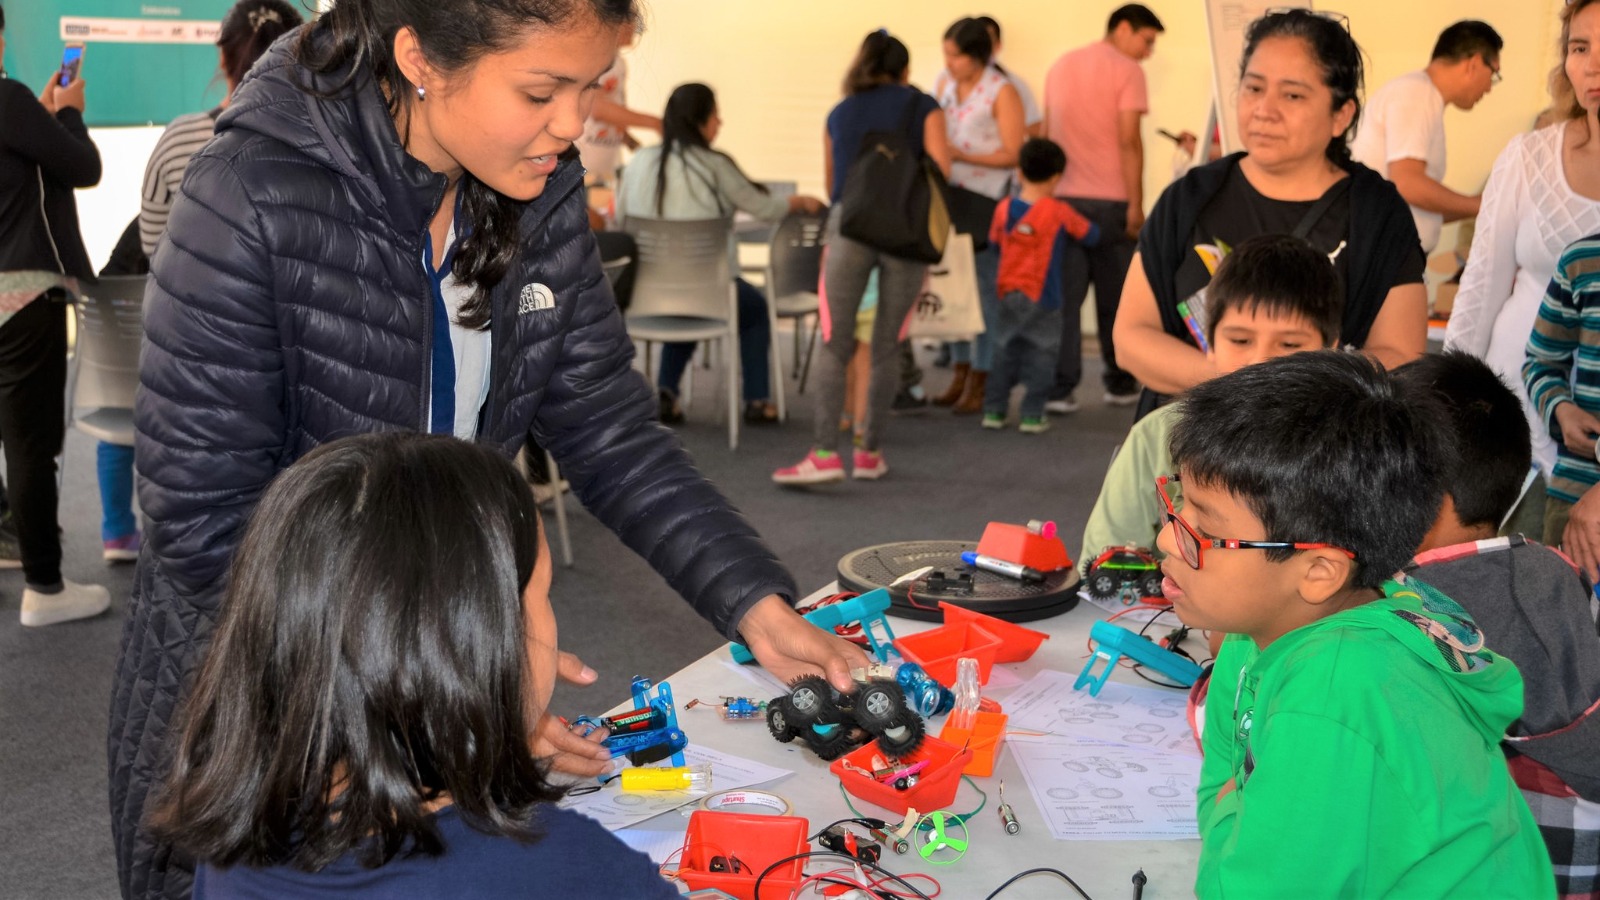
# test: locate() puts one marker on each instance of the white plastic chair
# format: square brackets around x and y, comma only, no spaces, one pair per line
[683,291]
[794,267]
[105,366]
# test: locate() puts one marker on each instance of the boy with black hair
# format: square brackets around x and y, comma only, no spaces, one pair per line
[1352,733]
[1031,230]
[1275,294]
[1534,606]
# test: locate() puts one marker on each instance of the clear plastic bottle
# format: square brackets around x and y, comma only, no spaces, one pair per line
[967,694]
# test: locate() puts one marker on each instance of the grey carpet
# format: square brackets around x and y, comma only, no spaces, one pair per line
[947,479]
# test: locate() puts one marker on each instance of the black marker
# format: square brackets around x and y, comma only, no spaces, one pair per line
[1138,884]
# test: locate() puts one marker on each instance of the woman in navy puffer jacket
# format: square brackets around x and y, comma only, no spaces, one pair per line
[389,233]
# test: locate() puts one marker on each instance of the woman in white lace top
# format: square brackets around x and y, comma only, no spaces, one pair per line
[1543,194]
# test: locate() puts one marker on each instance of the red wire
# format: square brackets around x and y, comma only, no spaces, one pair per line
[852,631]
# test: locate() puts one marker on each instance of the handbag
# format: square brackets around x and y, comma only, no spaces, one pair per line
[972,213]
[948,306]
[894,197]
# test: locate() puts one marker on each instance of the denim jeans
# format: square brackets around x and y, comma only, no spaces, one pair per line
[115,464]
[980,350]
[755,348]
[1026,343]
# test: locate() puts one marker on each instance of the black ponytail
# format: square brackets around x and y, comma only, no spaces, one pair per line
[882,60]
[248,29]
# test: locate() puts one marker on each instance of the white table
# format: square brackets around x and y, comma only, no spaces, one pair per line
[1103,868]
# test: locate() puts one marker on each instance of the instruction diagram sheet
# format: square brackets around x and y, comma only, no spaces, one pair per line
[1119,766]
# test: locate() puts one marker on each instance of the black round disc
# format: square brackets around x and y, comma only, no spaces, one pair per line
[1005,598]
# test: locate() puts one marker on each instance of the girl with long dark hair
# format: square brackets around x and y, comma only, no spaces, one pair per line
[686,178]
[389,234]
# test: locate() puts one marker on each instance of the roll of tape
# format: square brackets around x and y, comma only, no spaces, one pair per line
[766,799]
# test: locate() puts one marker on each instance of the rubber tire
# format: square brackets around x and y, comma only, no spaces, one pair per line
[1103,586]
[1150,585]
[902,737]
[811,703]
[833,745]
[778,721]
[879,704]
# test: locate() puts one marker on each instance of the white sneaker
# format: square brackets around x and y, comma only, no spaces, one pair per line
[1067,404]
[1111,399]
[75,601]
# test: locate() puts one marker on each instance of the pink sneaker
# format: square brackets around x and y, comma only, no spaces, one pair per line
[122,549]
[819,467]
[869,465]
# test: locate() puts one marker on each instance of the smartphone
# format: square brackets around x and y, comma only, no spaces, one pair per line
[71,62]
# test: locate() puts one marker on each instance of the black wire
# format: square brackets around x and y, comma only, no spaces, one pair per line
[1138,668]
[1040,871]
[813,854]
[1139,671]
[879,824]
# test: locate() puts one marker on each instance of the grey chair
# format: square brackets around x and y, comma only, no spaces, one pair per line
[794,268]
[105,365]
[683,291]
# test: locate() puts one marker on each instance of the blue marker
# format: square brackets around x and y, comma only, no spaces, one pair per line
[1001,567]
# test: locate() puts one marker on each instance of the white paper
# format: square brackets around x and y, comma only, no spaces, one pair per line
[614,809]
[1119,766]
[658,845]
[1121,714]
[768,683]
[1110,792]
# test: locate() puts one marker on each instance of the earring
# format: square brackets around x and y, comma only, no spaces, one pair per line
[422,92]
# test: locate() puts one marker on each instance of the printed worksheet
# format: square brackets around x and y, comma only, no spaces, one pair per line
[614,809]
[1121,714]
[1088,791]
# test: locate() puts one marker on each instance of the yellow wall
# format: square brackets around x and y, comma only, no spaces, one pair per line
[776,66]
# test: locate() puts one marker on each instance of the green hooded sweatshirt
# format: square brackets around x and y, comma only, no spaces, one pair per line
[1366,752]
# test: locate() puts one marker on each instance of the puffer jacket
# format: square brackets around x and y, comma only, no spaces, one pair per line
[289,308]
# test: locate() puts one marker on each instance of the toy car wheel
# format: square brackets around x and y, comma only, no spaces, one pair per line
[1103,585]
[903,736]
[878,705]
[811,702]
[1150,585]
[778,722]
[831,743]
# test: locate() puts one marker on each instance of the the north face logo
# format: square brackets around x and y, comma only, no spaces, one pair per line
[535,296]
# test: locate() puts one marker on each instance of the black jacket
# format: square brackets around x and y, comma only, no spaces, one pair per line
[43,158]
[1382,236]
[288,307]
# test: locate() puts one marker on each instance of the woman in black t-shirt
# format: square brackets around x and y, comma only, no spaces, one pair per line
[1299,82]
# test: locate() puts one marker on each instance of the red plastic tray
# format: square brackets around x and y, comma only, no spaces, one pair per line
[935,789]
[755,841]
[1016,643]
[938,649]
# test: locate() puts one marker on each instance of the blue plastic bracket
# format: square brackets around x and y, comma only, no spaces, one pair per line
[868,609]
[1113,643]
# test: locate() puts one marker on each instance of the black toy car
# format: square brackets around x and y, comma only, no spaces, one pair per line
[833,723]
[1129,573]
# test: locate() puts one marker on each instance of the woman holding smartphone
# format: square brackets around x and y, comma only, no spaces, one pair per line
[45,153]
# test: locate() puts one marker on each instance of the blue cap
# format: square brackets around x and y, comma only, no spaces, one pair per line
[970,557]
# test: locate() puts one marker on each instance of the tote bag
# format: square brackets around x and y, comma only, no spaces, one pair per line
[948,306]
[894,197]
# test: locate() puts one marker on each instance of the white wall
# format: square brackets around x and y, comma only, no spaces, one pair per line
[776,68]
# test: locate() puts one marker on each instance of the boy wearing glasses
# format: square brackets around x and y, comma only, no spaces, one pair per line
[1532,603]
[1353,726]
[1272,296]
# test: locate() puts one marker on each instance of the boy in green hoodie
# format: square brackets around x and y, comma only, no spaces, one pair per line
[1353,727]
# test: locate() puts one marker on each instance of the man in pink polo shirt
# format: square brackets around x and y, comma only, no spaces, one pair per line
[1094,97]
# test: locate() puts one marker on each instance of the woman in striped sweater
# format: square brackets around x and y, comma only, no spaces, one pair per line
[247,31]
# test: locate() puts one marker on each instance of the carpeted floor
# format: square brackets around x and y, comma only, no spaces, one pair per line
[947,479]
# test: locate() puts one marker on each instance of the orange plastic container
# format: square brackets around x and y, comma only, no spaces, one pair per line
[1016,643]
[935,787]
[938,649]
[988,732]
[754,841]
[1016,544]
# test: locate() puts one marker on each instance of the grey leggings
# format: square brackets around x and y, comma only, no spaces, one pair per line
[849,265]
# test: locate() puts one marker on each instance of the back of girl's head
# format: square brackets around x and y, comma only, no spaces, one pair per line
[1333,50]
[972,39]
[689,107]
[882,60]
[356,38]
[1564,97]
[371,656]
[248,29]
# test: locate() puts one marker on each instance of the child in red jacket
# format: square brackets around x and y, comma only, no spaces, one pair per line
[1031,231]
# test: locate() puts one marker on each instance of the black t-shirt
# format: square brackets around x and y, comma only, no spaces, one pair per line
[1238,211]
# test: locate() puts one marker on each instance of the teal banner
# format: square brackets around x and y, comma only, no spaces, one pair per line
[143,63]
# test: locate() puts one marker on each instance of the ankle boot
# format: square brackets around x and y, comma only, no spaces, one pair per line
[972,398]
[958,383]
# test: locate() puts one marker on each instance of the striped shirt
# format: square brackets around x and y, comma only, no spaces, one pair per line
[1564,358]
[162,175]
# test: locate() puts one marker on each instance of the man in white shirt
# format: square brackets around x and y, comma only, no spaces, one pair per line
[1401,134]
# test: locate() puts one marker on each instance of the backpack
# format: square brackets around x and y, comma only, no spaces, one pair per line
[894,198]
